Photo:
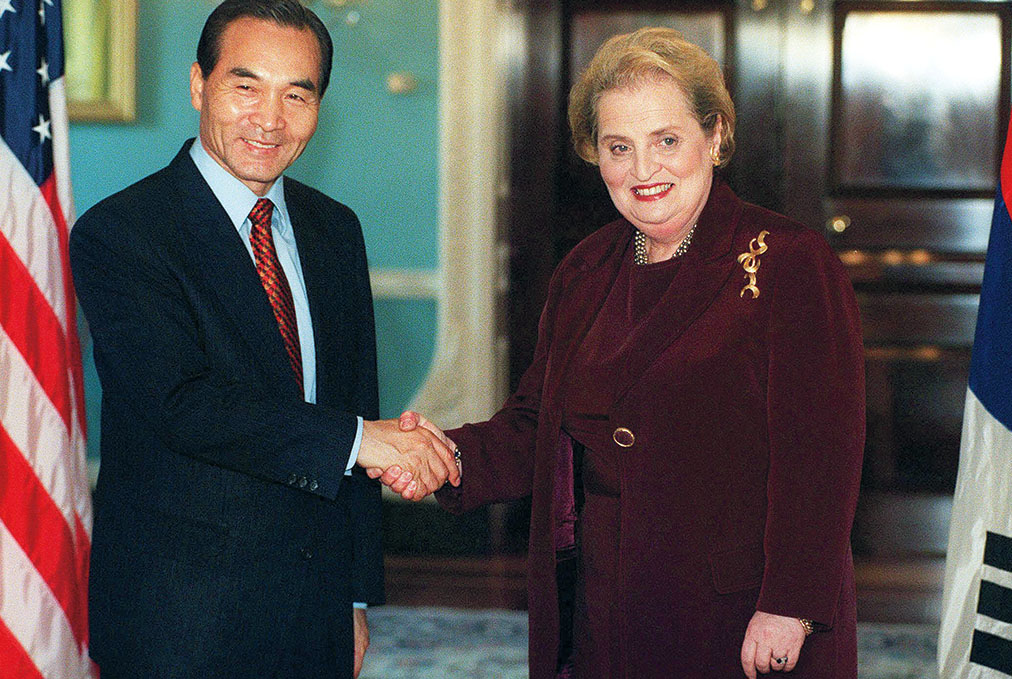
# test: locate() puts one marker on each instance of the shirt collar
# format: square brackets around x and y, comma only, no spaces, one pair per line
[236,197]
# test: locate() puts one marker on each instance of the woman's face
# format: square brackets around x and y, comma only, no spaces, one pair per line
[655,157]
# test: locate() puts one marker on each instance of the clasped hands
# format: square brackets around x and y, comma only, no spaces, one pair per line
[410,455]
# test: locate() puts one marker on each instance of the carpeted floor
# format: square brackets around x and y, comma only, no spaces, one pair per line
[443,643]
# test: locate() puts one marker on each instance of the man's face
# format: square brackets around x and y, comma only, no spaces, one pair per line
[260,104]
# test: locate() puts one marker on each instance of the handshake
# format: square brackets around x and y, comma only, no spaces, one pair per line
[410,455]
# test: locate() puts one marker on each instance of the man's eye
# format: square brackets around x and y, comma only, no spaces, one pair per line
[669,141]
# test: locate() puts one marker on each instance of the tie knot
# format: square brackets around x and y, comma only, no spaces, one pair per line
[260,215]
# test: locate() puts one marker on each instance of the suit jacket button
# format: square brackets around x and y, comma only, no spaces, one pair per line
[292,479]
[624,437]
[306,553]
[303,481]
[313,485]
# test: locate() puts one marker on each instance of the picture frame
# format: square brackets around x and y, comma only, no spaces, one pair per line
[101,59]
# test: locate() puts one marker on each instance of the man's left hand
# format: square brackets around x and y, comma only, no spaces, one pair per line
[770,639]
[361,638]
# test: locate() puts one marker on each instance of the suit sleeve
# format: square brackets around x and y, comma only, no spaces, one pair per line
[153,356]
[816,423]
[497,456]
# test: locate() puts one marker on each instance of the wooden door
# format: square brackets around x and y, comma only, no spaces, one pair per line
[893,150]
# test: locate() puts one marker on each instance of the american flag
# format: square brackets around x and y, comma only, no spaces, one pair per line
[45,507]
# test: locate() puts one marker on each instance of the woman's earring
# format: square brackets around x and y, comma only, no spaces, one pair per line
[715,155]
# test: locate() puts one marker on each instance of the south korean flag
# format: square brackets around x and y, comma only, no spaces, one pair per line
[975,640]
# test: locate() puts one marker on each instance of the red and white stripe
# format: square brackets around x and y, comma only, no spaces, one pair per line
[45,504]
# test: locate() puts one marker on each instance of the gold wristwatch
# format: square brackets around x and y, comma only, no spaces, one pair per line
[808,625]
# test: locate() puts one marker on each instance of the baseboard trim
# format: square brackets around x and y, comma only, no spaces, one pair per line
[899,590]
[460,582]
[888,590]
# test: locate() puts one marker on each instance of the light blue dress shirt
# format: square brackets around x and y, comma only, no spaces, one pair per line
[238,200]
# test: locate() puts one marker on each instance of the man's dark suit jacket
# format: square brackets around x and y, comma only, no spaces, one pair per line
[222,500]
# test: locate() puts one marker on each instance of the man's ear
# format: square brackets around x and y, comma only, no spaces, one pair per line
[196,86]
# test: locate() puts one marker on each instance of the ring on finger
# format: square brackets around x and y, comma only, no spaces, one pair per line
[780,661]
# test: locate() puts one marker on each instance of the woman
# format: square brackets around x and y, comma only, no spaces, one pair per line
[691,428]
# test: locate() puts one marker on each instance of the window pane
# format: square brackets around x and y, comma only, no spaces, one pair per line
[919,100]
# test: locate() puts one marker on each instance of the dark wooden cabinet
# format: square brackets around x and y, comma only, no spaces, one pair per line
[880,124]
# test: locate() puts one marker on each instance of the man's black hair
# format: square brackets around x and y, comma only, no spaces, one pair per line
[289,13]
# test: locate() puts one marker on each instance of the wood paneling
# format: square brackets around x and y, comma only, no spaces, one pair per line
[889,590]
[460,582]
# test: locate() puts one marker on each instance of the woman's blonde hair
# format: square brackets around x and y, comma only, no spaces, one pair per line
[624,60]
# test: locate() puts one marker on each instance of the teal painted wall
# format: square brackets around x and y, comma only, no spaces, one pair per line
[375,151]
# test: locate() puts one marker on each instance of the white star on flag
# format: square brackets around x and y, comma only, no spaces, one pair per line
[43,72]
[7,7]
[42,129]
[4,66]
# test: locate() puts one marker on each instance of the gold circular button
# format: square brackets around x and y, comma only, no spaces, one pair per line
[624,437]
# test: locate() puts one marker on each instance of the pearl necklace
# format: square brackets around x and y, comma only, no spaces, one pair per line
[640,246]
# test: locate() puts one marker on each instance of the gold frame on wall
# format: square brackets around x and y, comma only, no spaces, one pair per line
[117,101]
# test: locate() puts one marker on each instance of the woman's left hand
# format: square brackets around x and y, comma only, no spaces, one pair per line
[768,640]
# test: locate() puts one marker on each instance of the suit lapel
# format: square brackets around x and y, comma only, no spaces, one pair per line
[581,301]
[319,274]
[227,268]
[327,271]
[708,264]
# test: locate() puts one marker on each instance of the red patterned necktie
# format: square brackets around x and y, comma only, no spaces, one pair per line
[275,284]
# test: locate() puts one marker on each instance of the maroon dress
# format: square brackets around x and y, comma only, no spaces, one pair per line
[588,391]
[737,428]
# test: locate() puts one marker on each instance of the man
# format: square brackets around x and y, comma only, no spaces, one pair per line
[233,332]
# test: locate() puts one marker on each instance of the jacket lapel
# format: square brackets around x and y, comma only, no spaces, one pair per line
[225,264]
[581,301]
[708,265]
[322,274]
[330,252]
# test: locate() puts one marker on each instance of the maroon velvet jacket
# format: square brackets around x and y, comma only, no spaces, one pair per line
[740,488]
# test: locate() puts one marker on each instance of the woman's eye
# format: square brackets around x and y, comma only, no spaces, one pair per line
[668,141]
[619,148]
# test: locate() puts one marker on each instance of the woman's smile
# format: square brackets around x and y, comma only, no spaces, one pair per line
[652,191]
